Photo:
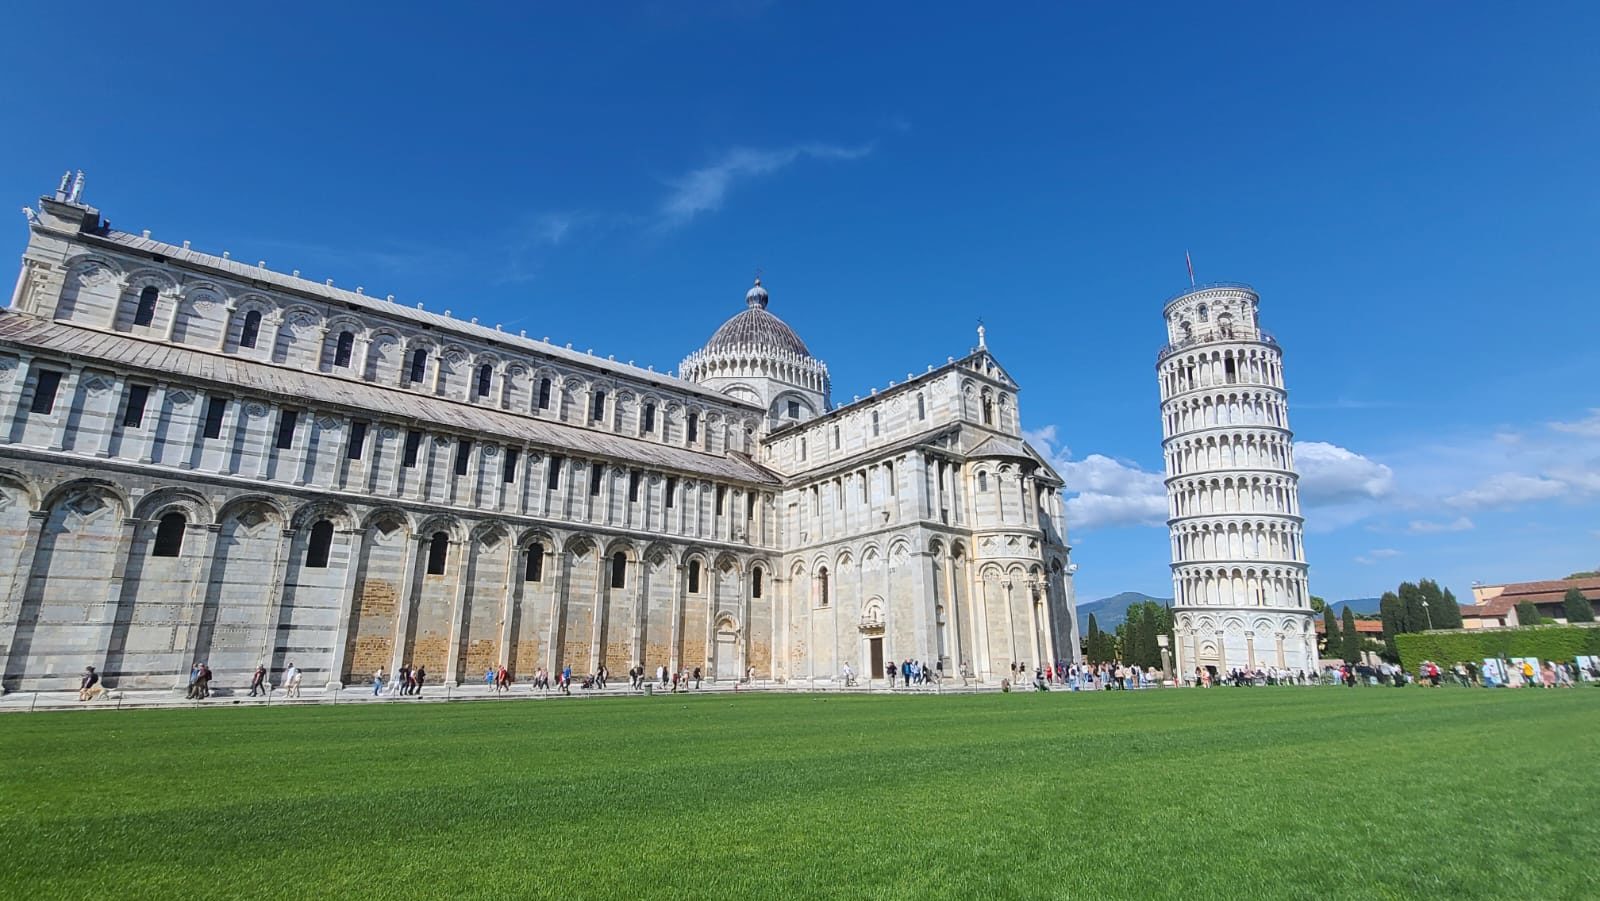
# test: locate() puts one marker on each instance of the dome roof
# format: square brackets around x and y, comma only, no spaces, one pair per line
[756,328]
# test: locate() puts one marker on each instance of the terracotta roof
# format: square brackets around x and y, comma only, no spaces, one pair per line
[336,392]
[1548,590]
[1494,608]
[1363,626]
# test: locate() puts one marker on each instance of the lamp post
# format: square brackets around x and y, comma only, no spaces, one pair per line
[1428,614]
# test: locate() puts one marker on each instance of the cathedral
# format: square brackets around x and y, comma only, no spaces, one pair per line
[205,459]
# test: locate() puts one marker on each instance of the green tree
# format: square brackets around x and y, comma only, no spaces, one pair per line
[1442,611]
[1149,636]
[1331,644]
[1392,612]
[1577,607]
[1528,614]
[1350,646]
[1318,604]
[1586,574]
[1415,618]
[1091,642]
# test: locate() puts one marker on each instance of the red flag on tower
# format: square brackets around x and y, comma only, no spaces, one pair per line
[1191,267]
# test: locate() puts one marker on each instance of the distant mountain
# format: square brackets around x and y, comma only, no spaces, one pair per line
[1109,612]
[1362,606]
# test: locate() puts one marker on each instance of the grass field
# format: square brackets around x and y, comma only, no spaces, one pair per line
[1306,793]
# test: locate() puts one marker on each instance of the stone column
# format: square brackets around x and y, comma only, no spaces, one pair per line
[228,309]
[678,587]
[598,615]
[466,560]
[558,607]
[66,401]
[112,599]
[641,608]
[280,563]
[12,408]
[402,618]
[16,589]
[356,539]
[508,609]
[195,609]
[1250,649]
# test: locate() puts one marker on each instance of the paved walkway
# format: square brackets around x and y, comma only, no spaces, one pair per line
[143,699]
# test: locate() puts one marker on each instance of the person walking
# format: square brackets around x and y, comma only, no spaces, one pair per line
[258,681]
[697,678]
[291,681]
[377,682]
[418,675]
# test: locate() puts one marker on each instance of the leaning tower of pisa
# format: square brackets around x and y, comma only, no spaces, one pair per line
[1238,565]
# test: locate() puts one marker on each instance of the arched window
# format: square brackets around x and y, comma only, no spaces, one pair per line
[342,350]
[1204,312]
[694,576]
[419,365]
[619,570]
[321,542]
[874,423]
[251,329]
[922,407]
[597,409]
[755,582]
[145,312]
[169,536]
[649,418]
[983,481]
[485,376]
[438,546]
[533,569]
[988,410]
[822,587]
[544,394]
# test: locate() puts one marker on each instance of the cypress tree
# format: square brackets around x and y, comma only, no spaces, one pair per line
[1442,611]
[1332,646]
[1577,607]
[1392,613]
[1351,649]
[1091,644]
[1149,630]
[1453,609]
[1528,614]
[1415,617]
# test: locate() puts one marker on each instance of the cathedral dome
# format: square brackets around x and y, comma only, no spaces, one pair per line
[755,328]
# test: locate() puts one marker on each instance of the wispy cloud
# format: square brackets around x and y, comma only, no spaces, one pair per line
[1373,556]
[703,190]
[1330,474]
[1429,527]
[1507,488]
[1588,427]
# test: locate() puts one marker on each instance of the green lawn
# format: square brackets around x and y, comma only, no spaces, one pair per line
[1227,793]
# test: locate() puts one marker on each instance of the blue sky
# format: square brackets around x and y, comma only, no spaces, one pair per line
[1413,191]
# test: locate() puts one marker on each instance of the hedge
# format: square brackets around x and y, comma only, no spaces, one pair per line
[1543,642]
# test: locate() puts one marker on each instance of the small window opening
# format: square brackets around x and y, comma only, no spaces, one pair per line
[544,394]
[169,536]
[649,418]
[552,479]
[463,455]
[672,491]
[358,440]
[320,543]
[145,313]
[287,420]
[44,391]
[413,444]
[755,582]
[508,468]
[343,349]
[694,576]
[216,407]
[485,379]
[138,397]
[619,570]
[633,486]
[597,407]
[251,330]
[533,569]
[438,547]
[419,365]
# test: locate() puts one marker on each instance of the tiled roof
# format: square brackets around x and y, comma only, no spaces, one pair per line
[1548,590]
[756,329]
[335,392]
[1363,627]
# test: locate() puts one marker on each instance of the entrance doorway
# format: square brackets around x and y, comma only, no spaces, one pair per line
[875,648]
[727,652]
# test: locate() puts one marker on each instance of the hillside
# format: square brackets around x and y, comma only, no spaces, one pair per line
[1109,612]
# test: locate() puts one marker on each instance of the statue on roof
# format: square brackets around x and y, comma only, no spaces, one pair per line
[77,188]
[33,218]
[61,189]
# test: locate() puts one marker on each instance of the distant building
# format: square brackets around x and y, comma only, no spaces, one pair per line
[1366,628]
[1496,605]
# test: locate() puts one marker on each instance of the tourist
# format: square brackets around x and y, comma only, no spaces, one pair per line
[502,681]
[1528,674]
[893,669]
[258,681]
[377,682]
[417,676]
[89,686]
[194,682]
[291,681]
[203,684]
[848,675]
[697,678]
[488,676]
[1548,675]
[674,682]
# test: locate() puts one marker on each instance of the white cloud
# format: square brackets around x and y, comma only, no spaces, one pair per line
[1428,527]
[1508,488]
[1103,492]
[1376,554]
[1112,493]
[1330,474]
[1589,428]
[703,190]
